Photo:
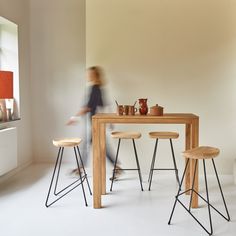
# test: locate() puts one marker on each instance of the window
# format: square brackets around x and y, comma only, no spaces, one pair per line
[9,61]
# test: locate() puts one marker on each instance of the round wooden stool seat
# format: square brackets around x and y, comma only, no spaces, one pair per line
[202,152]
[126,135]
[163,135]
[67,142]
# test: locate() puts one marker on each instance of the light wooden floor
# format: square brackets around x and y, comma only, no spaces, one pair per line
[128,211]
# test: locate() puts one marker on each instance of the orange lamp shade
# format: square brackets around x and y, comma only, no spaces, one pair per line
[6,84]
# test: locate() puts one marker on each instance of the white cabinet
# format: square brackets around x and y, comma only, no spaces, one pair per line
[8,150]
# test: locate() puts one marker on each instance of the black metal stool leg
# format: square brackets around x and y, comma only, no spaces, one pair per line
[58,173]
[177,195]
[85,173]
[152,165]
[208,202]
[217,177]
[139,171]
[53,175]
[114,170]
[194,175]
[175,166]
[153,157]
[77,161]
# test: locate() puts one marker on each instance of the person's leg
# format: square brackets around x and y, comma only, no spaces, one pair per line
[109,154]
[87,140]
[85,147]
[84,156]
[84,150]
[111,158]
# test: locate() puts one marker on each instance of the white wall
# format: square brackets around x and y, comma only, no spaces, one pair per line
[57,69]
[18,12]
[180,54]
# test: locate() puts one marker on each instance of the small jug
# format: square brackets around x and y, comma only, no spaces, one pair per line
[143,107]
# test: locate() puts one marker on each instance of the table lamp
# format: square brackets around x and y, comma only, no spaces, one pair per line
[6,84]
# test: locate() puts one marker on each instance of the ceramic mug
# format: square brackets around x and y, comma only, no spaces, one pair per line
[126,109]
[120,110]
[132,110]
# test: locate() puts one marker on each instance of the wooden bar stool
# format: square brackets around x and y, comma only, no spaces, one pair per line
[201,153]
[61,144]
[157,136]
[126,135]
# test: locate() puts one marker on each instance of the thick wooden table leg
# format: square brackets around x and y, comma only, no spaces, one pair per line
[97,175]
[103,156]
[195,143]
[187,147]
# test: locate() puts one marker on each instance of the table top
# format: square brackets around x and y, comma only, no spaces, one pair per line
[174,118]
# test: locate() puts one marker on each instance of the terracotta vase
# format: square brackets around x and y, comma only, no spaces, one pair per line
[143,107]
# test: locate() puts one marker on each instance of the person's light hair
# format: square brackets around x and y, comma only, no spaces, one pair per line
[98,79]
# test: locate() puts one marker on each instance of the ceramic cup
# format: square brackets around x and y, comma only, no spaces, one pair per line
[132,110]
[126,109]
[120,110]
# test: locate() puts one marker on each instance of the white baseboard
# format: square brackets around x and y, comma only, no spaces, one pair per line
[7,176]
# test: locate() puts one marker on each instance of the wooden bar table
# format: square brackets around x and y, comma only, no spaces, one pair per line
[99,122]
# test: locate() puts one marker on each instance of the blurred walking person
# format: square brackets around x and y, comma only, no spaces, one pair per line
[95,103]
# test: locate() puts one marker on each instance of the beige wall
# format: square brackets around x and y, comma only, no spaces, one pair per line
[180,54]
[57,69]
[18,12]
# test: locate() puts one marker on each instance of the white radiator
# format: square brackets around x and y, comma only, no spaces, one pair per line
[8,150]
